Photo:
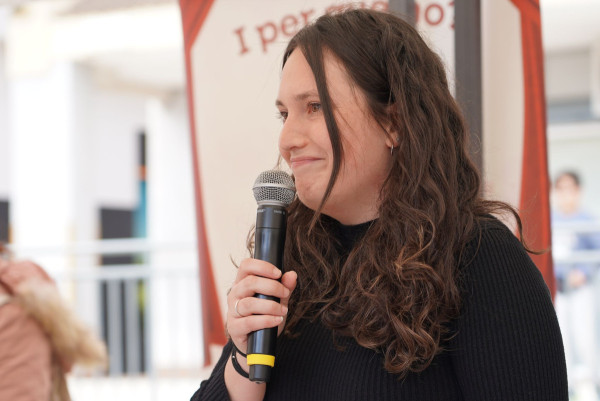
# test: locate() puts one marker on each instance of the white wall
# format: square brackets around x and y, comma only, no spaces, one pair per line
[175,300]
[41,130]
[4,134]
[567,75]
[595,77]
[171,207]
[114,119]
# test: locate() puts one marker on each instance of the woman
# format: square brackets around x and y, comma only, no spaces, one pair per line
[399,282]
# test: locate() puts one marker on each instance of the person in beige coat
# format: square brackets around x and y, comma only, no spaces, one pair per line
[40,337]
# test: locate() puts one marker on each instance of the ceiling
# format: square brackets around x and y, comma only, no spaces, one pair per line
[568,25]
[87,6]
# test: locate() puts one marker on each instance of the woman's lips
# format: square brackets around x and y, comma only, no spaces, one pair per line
[297,162]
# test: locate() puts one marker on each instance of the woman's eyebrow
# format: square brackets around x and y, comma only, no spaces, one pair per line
[300,97]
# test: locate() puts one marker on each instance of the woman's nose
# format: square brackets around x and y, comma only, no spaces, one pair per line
[292,135]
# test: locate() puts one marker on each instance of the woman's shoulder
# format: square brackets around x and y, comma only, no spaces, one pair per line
[507,334]
[492,239]
[490,225]
[15,273]
[495,264]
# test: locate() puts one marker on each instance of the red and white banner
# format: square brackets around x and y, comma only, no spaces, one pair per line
[233,52]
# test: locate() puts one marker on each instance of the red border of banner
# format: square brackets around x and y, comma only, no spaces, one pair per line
[193,15]
[535,183]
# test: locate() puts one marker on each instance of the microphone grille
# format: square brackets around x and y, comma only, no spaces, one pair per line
[274,187]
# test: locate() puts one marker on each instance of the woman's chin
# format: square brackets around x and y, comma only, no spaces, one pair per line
[308,199]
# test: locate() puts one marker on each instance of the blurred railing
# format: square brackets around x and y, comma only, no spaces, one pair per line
[151,307]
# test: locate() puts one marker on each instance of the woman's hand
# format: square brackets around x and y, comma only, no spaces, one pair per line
[245,312]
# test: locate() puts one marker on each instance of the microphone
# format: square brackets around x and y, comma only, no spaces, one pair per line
[273,190]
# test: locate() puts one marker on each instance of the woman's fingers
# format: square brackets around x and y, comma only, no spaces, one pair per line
[257,277]
[253,314]
[239,329]
[255,306]
[251,285]
[248,313]
[256,267]
[257,322]
[289,281]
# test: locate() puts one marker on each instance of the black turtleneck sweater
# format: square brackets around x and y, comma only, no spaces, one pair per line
[507,344]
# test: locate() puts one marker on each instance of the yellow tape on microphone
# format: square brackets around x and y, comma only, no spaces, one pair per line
[261,359]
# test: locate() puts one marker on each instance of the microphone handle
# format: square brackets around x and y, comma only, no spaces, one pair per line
[269,244]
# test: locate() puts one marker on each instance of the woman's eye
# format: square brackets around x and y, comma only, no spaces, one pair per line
[282,115]
[314,107]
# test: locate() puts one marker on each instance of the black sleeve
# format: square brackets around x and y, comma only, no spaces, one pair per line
[508,344]
[214,389]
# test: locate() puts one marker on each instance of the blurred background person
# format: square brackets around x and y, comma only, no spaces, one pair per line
[40,337]
[567,193]
[575,281]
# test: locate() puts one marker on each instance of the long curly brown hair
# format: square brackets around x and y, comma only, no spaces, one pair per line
[398,288]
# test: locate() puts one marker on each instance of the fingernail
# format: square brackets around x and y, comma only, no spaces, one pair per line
[284,310]
[279,319]
[276,272]
[286,292]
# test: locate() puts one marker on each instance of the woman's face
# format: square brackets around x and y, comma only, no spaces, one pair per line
[304,141]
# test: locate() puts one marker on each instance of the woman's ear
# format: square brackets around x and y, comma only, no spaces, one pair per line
[391,130]
[392,139]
